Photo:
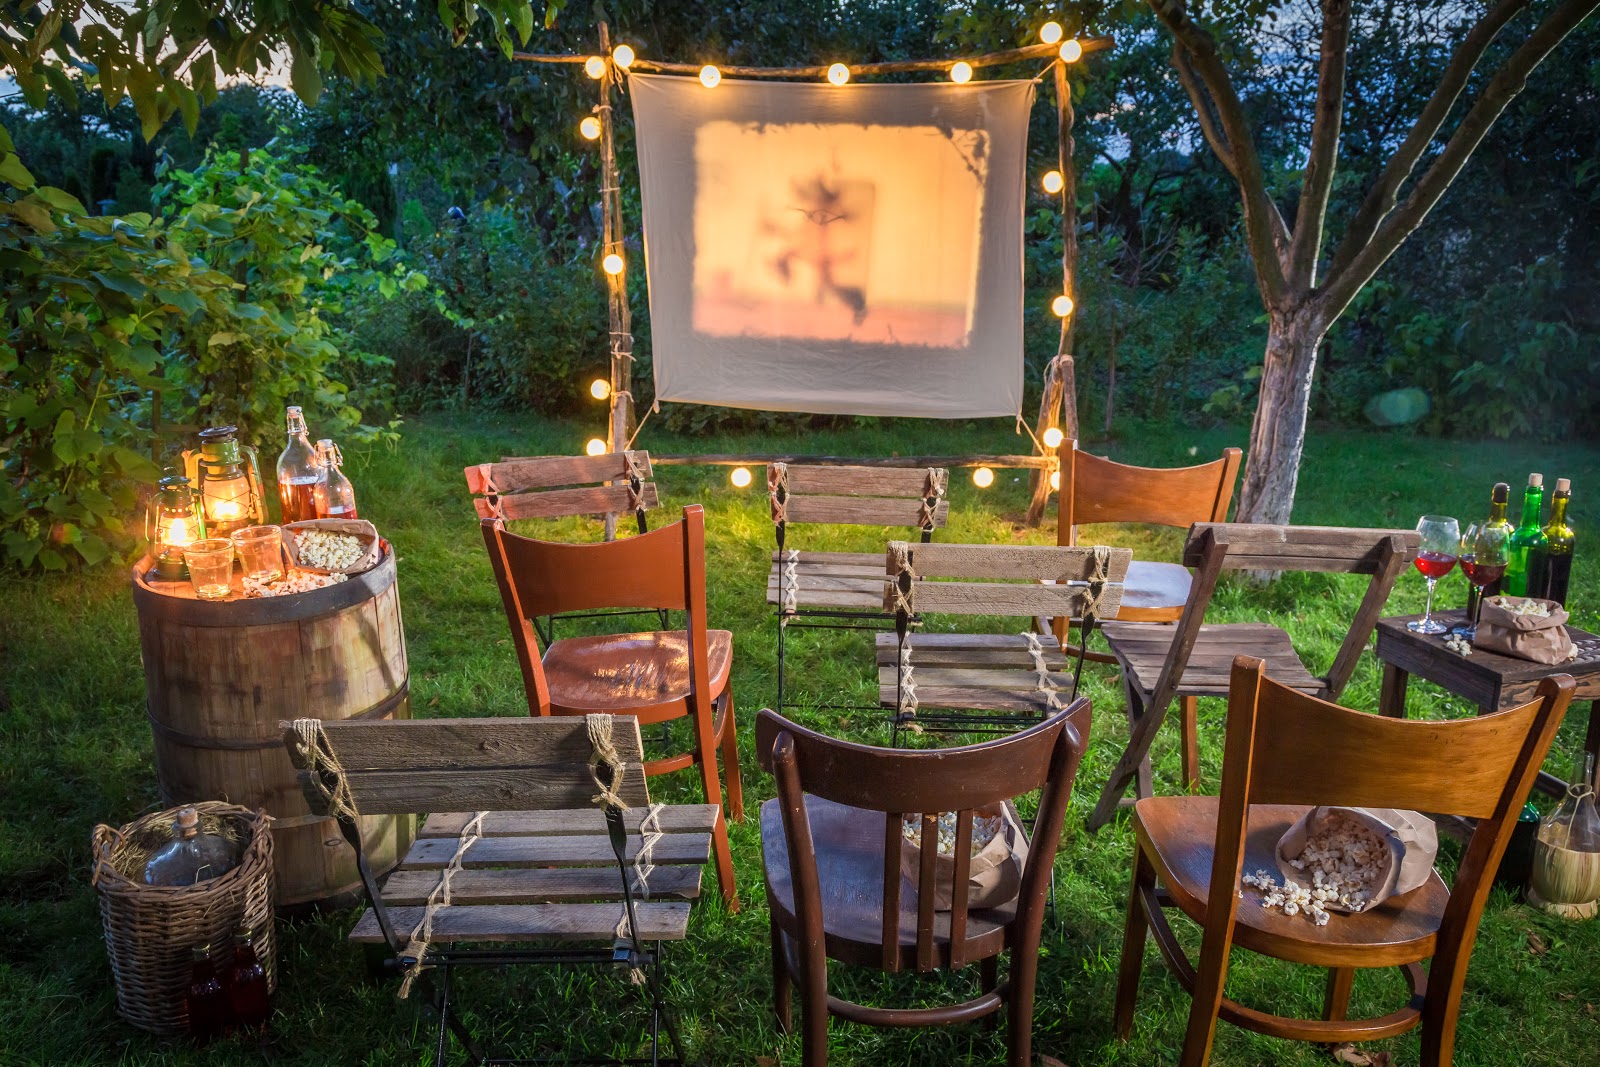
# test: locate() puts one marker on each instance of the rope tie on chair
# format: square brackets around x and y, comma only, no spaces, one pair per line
[904,598]
[778,490]
[321,760]
[491,492]
[1097,582]
[605,754]
[1043,685]
[421,934]
[933,489]
[635,482]
[907,703]
[643,865]
[789,584]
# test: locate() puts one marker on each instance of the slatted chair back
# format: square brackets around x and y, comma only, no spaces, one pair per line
[895,782]
[1098,490]
[1285,747]
[551,487]
[861,496]
[663,569]
[1003,580]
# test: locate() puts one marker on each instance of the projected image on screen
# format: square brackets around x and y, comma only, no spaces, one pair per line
[814,231]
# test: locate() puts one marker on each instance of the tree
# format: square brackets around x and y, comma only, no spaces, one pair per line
[1304,295]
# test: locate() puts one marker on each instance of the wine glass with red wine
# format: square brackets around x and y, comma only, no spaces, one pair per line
[1441,544]
[1483,561]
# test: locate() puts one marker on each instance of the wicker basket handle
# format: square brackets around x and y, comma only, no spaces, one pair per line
[103,841]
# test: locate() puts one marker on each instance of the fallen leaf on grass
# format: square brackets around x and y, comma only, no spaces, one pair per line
[1382,1059]
[1536,943]
[765,1061]
[433,703]
[1351,1055]
[1049,1061]
[1565,996]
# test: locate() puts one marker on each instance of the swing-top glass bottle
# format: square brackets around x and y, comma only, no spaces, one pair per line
[335,496]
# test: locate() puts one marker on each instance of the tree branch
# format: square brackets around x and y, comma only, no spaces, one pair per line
[1385,192]
[1202,108]
[1397,225]
[1323,159]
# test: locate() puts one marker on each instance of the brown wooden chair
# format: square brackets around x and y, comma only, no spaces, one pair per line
[516,854]
[559,487]
[842,590]
[831,848]
[656,676]
[1287,751]
[1162,662]
[987,682]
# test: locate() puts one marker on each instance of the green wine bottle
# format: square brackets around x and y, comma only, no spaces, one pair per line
[1550,571]
[1527,540]
[1499,499]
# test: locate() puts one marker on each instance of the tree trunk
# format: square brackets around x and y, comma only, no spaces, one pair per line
[1278,436]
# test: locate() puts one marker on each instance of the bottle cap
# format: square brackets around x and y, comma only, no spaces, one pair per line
[1563,485]
[187,817]
[1502,492]
[1535,481]
[292,409]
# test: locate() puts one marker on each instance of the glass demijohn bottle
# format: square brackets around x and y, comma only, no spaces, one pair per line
[1566,854]
[335,496]
[191,856]
[297,471]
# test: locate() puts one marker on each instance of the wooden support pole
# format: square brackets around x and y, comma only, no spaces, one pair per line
[620,315]
[1059,405]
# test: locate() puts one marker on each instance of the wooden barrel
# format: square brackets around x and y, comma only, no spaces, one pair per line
[221,674]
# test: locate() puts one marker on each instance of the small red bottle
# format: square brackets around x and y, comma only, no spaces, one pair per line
[207,1003]
[247,985]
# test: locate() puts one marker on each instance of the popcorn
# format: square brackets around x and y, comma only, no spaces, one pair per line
[1459,645]
[984,829]
[1523,606]
[295,581]
[327,550]
[1345,860]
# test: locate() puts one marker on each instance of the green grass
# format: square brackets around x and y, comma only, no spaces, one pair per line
[77,752]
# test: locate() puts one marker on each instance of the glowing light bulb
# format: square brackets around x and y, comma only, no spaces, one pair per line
[740,477]
[1050,32]
[599,388]
[612,264]
[595,447]
[590,128]
[838,74]
[1053,182]
[1062,305]
[1071,51]
[961,73]
[622,56]
[595,67]
[1055,481]
[983,477]
[1053,438]
[710,76]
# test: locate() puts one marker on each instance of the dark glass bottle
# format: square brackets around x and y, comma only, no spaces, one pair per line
[206,1002]
[297,471]
[1527,540]
[1499,498]
[1551,570]
[247,984]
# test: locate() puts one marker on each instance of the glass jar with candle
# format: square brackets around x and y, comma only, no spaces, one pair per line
[210,561]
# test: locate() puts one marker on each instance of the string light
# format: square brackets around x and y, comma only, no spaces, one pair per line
[590,128]
[622,56]
[983,477]
[595,67]
[740,477]
[1050,32]
[1053,182]
[595,447]
[1062,305]
[599,388]
[838,74]
[961,73]
[612,264]
[1055,481]
[1053,437]
[1071,51]
[710,76]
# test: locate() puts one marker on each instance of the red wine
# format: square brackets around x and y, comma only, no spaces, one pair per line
[1434,564]
[1481,573]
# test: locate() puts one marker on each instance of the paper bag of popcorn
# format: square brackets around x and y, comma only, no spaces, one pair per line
[1524,627]
[335,546]
[1355,858]
[999,851]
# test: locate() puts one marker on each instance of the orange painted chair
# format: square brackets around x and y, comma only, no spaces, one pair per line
[656,676]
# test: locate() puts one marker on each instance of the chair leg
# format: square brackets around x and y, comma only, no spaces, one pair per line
[1019,1008]
[1189,725]
[1336,998]
[730,760]
[988,979]
[1135,931]
[782,987]
[1136,713]
[814,1013]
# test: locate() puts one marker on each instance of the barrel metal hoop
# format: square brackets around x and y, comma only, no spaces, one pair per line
[256,744]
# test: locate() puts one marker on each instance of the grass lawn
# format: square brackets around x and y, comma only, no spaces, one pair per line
[77,752]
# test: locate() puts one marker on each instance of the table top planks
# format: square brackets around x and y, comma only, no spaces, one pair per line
[1489,679]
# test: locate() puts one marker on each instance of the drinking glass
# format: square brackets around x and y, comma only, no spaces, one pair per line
[1441,544]
[210,563]
[260,551]
[1483,561]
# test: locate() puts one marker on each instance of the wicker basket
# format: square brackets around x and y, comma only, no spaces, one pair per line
[151,931]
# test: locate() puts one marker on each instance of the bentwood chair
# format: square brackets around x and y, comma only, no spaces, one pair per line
[1161,662]
[559,487]
[656,676]
[1287,751]
[1097,490]
[831,846]
[842,590]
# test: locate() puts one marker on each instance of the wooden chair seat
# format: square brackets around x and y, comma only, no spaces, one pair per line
[1179,835]
[1143,648]
[993,671]
[1155,592]
[839,580]
[849,845]
[612,672]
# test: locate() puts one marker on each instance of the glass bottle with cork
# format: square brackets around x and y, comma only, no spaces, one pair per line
[205,1001]
[1549,573]
[297,471]
[1499,499]
[1527,540]
[247,984]
[192,855]
[335,496]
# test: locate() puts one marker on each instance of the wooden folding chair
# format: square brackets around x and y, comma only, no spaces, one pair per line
[558,487]
[990,682]
[657,676]
[1287,751]
[842,590]
[1160,662]
[515,854]
[831,846]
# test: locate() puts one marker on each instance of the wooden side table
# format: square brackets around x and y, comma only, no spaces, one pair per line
[1489,680]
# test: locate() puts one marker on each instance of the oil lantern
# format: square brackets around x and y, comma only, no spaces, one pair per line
[172,521]
[229,479]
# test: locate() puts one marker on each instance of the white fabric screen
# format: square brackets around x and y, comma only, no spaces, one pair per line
[847,249]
